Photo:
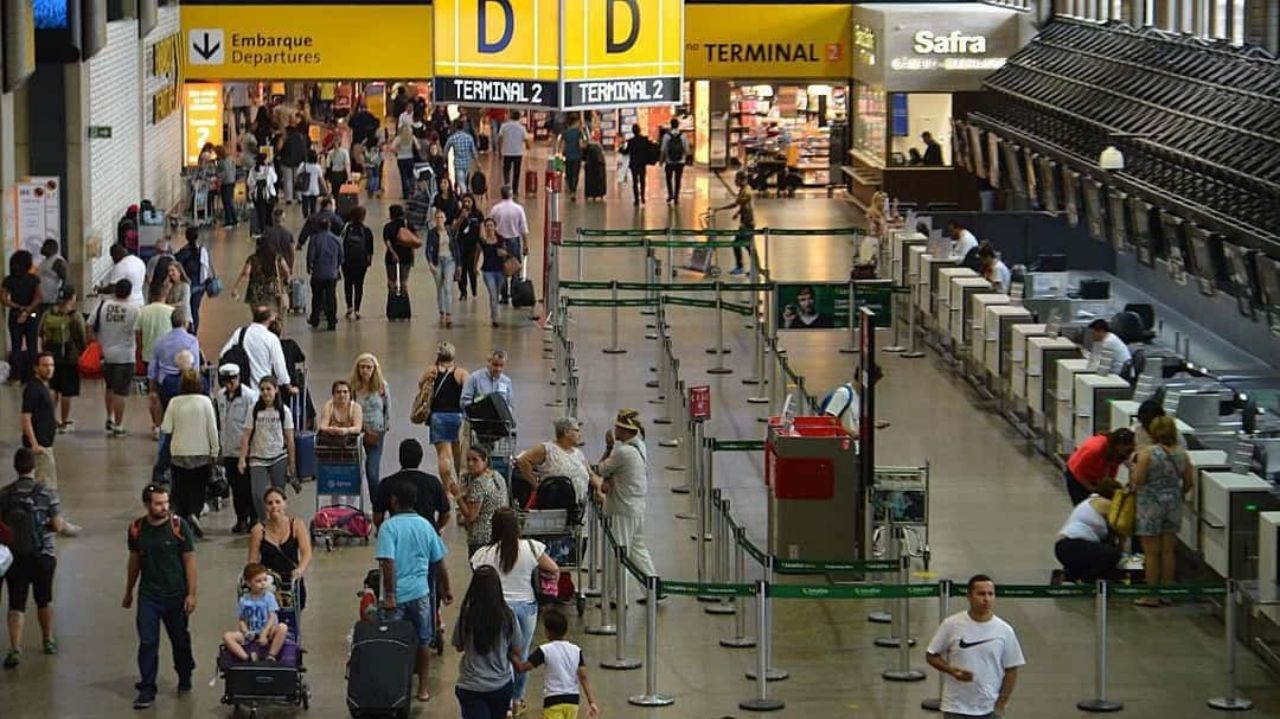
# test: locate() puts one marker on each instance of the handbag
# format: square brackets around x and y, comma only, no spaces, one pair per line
[1124,509]
[371,437]
[406,237]
[90,363]
[546,585]
[421,412]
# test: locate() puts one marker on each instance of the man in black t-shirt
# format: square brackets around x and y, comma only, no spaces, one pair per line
[432,502]
[39,423]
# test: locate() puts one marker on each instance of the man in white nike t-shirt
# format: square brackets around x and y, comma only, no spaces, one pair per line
[979,654]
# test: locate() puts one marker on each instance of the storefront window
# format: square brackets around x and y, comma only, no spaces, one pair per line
[913,115]
[870,124]
[787,124]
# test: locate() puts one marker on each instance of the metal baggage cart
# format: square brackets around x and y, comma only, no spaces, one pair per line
[704,259]
[338,469]
[499,438]
[561,531]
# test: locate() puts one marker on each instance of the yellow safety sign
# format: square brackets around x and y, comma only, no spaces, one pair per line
[768,42]
[307,42]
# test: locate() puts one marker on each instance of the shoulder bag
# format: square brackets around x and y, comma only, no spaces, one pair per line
[1123,512]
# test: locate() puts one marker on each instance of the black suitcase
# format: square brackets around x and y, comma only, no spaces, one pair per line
[381,668]
[593,168]
[522,292]
[263,680]
[398,305]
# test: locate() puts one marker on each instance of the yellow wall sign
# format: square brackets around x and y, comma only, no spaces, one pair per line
[767,42]
[166,63]
[203,107]
[306,42]
[596,53]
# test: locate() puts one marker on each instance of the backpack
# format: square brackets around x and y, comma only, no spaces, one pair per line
[260,191]
[826,401]
[55,331]
[675,148]
[189,257]
[237,356]
[353,249]
[253,419]
[303,179]
[556,493]
[18,512]
[175,526]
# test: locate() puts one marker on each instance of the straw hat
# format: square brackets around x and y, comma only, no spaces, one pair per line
[628,419]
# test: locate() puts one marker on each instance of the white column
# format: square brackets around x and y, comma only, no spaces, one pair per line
[76,187]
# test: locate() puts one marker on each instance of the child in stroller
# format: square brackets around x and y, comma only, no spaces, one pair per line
[260,625]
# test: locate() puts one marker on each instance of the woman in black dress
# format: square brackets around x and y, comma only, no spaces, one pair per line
[282,543]
[468,227]
[20,293]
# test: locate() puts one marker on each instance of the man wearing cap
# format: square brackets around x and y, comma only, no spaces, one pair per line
[234,402]
[624,481]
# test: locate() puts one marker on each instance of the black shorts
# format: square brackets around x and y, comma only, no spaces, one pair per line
[66,379]
[27,572]
[119,377]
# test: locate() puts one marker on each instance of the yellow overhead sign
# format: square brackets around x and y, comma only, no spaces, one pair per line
[307,42]
[767,42]
[558,53]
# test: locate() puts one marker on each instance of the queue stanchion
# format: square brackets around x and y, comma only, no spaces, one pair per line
[683,442]
[903,672]
[613,348]
[753,277]
[778,382]
[595,531]
[893,615]
[765,634]
[693,459]
[913,309]
[934,704]
[739,640]
[650,292]
[651,696]
[660,368]
[894,319]
[719,350]
[571,395]
[761,702]
[702,490]
[852,348]
[605,627]
[757,356]
[580,258]
[671,253]
[769,378]
[1231,701]
[673,373]
[720,569]
[620,661]
[1099,703]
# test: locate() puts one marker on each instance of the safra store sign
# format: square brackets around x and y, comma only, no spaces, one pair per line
[943,50]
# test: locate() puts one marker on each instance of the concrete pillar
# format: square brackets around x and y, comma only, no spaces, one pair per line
[77,195]
[8,175]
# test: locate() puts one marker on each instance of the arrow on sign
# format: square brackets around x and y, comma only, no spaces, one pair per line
[203,49]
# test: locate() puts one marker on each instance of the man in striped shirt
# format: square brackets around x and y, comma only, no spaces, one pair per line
[464,150]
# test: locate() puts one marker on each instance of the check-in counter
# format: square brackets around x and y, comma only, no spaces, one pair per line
[998,336]
[936,273]
[976,323]
[1043,354]
[1018,360]
[1093,393]
[1205,460]
[1231,503]
[1059,402]
[1124,413]
[1269,558]
[941,295]
[900,241]
[958,326]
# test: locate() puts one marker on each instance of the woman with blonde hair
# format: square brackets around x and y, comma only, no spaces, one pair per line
[369,390]
[1162,475]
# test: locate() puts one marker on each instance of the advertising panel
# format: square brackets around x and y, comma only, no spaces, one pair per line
[292,41]
[203,107]
[932,47]
[767,42]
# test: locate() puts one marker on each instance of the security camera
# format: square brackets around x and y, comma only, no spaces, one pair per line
[1111,159]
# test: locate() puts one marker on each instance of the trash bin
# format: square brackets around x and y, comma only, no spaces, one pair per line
[811,468]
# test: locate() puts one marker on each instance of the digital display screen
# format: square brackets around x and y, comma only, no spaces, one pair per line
[975,151]
[1241,281]
[52,14]
[1091,189]
[1202,263]
[1071,196]
[1140,221]
[1269,283]
[1048,183]
[1013,168]
[1116,213]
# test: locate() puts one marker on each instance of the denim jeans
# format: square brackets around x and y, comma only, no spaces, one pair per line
[483,705]
[444,284]
[151,613]
[526,624]
[572,172]
[493,283]
[197,295]
[373,466]
[373,179]
[229,216]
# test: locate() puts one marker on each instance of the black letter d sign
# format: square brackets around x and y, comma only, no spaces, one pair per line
[611,46]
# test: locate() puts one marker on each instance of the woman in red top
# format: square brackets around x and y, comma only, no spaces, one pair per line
[1096,459]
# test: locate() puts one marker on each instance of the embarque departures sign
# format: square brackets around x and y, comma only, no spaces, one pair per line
[565,54]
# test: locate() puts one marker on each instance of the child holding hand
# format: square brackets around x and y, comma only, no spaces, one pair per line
[258,616]
[566,670]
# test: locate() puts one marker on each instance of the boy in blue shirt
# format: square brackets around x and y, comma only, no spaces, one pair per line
[259,622]
[408,549]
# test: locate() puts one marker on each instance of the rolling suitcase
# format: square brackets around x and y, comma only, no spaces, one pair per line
[594,187]
[297,295]
[398,305]
[348,199]
[522,292]
[531,183]
[304,440]
[380,669]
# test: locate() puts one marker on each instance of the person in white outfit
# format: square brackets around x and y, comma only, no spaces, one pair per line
[979,655]
[624,481]
[1108,353]
[962,241]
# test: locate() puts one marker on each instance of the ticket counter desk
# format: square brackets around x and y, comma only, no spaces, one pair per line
[1021,334]
[940,294]
[997,336]
[1062,429]
[959,323]
[811,470]
[975,323]
[1093,394]
[1043,354]
[899,244]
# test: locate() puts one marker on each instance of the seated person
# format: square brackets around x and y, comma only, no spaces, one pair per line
[1084,545]
[259,623]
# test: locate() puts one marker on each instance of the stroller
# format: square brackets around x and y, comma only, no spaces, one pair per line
[251,684]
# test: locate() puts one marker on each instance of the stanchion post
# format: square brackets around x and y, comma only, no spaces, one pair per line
[913,309]
[761,702]
[693,460]
[620,660]
[739,640]
[592,588]
[765,632]
[605,627]
[613,348]
[660,366]
[1099,703]
[700,511]
[719,350]
[571,395]
[671,265]
[852,347]
[650,270]
[1231,701]
[903,672]
[579,254]
[760,374]
[651,696]
[934,704]
[719,549]
[900,630]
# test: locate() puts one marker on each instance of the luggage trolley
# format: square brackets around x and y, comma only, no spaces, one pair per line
[338,468]
[493,428]
[557,521]
[704,259]
[251,684]
[900,500]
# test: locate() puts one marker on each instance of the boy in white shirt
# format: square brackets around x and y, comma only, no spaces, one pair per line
[566,670]
[979,654]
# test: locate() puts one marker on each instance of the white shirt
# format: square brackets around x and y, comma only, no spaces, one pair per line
[1111,346]
[1002,275]
[339,159]
[627,472]
[263,172]
[962,246]
[509,219]
[561,660]
[192,426]
[313,179]
[131,268]
[511,138]
[1085,523]
[517,586]
[405,119]
[843,398]
[988,649]
[266,357]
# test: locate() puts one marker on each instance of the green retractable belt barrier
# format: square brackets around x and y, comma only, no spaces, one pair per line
[852,591]
[804,566]
[737,445]
[707,589]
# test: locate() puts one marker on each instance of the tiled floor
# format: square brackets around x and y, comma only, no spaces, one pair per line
[996,508]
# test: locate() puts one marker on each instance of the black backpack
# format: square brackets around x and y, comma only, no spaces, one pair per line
[237,356]
[557,493]
[675,148]
[354,251]
[189,256]
[18,512]
[260,191]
